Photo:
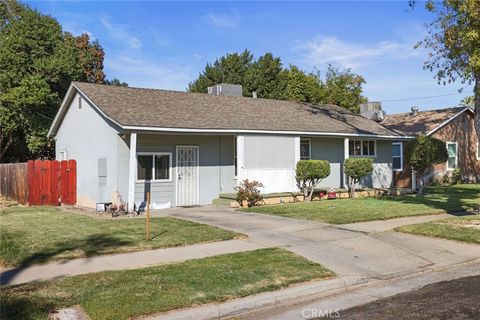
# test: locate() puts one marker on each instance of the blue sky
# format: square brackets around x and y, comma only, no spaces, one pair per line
[166,44]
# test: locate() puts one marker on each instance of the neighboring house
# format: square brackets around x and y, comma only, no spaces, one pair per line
[454,126]
[187,148]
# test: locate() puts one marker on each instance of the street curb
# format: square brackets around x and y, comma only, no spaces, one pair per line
[294,295]
[266,300]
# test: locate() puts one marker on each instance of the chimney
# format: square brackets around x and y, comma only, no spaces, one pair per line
[226,89]
[414,111]
[372,110]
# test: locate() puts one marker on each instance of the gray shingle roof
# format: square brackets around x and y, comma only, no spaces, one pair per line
[421,123]
[173,109]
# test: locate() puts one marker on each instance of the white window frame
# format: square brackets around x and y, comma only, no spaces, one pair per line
[401,156]
[456,155]
[309,148]
[478,150]
[361,155]
[153,154]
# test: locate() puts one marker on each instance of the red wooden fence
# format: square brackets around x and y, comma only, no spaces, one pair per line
[52,182]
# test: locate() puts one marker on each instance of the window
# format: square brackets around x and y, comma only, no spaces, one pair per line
[452,155]
[305,149]
[478,150]
[156,166]
[397,156]
[361,148]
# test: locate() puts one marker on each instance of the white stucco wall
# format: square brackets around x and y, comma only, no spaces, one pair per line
[86,137]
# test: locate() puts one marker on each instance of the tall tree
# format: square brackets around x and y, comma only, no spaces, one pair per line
[267,77]
[303,87]
[37,62]
[116,82]
[231,68]
[344,88]
[454,40]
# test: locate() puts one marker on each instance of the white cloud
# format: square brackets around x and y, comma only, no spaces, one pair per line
[145,73]
[222,20]
[119,32]
[322,50]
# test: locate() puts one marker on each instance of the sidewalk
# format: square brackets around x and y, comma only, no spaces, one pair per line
[122,261]
[390,224]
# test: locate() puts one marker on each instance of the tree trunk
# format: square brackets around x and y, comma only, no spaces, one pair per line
[310,196]
[305,193]
[420,188]
[476,103]
[353,183]
[4,149]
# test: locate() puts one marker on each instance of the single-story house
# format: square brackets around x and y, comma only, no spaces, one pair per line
[187,148]
[454,126]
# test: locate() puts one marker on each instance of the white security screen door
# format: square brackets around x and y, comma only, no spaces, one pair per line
[187,176]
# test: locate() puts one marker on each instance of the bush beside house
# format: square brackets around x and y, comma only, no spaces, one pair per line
[422,153]
[356,169]
[248,193]
[310,172]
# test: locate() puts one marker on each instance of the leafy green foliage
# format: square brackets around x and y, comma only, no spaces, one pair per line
[456,176]
[425,151]
[310,172]
[37,62]
[116,82]
[454,40]
[267,77]
[231,68]
[249,191]
[356,169]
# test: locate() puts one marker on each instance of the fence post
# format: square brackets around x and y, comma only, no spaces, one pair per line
[148,216]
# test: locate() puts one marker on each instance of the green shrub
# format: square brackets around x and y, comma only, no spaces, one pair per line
[250,191]
[456,176]
[423,152]
[310,172]
[356,169]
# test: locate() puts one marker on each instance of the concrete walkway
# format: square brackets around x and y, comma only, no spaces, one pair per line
[122,261]
[390,224]
[381,254]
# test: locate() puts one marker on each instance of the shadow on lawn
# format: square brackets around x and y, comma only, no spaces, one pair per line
[93,245]
[450,199]
[22,304]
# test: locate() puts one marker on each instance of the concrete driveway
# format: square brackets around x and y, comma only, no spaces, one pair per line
[345,249]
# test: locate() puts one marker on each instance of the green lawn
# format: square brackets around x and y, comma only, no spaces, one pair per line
[436,200]
[39,234]
[130,293]
[465,229]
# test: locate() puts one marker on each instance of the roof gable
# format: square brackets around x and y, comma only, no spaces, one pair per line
[424,122]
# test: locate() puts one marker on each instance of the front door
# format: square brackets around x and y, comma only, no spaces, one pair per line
[187,175]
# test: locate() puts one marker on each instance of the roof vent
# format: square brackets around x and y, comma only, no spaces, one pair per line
[226,89]
[414,111]
[372,110]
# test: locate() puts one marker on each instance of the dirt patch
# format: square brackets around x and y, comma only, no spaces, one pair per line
[455,299]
